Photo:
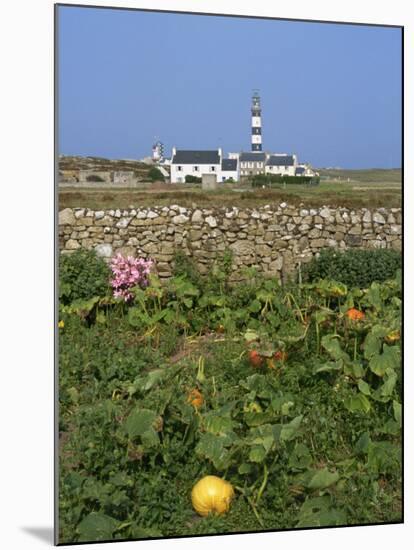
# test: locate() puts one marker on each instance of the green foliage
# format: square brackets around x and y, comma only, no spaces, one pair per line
[192,179]
[155,174]
[355,268]
[82,276]
[184,266]
[268,180]
[94,177]
[313,439]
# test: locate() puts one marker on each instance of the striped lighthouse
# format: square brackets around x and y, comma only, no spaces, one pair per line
[256,122]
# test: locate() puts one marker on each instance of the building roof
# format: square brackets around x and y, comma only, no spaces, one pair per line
[299,170]
[229,164]
[280,160]
[196,157]
[252,157]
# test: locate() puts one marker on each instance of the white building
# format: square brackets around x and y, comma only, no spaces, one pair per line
[284,165]
[229,170]
[194,163]
[198,162]
[305,170]
[252,163]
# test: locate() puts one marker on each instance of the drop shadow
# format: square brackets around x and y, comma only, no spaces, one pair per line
[43,533]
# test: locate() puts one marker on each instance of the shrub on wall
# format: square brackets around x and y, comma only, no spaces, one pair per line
[82,275]
[155,174]
[269,179]
[192,179]
[355,268]
[94,177]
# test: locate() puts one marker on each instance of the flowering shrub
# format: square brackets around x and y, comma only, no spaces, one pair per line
[127,273]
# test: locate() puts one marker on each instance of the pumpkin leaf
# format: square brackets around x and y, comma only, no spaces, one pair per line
[331,344]
[372,345]
[354,369]
[289,431]
[373,296]
[357,403]
[213,447]
[244,468]
[258,418]
[361,446]
[216,423]
[330,366]
[388,359]
[323,479]
[300,458]
[96,526]
[364,387]
[397,412]
[257,453]
[139,422]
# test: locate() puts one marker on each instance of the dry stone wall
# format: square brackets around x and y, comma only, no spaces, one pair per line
[274,238]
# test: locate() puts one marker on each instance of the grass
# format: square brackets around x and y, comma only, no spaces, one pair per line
[365,188]
[376,176]
[328,193]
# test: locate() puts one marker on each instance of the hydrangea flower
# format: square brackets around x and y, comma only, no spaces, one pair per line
[127,273]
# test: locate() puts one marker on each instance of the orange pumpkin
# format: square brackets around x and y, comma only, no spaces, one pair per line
[354,314]
[195,398]
[256,360]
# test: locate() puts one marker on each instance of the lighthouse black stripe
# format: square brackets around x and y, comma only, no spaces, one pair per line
[256,130]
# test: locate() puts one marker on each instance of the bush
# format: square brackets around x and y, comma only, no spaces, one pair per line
[94,177]
[155,175]
[82,275]
[355,268]
[192,179]
[269,179]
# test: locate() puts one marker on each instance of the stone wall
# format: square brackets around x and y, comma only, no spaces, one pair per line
[272,238]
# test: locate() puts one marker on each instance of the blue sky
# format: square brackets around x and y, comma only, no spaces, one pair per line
[330,93]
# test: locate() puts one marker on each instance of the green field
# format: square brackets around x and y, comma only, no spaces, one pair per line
[330,193]
[348,188]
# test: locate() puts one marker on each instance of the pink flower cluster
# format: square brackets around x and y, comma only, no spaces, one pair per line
[127,273]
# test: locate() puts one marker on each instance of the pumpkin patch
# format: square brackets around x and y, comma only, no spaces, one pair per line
[172,425]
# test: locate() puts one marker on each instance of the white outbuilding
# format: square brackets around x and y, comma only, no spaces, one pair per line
[195,163]
[282,164]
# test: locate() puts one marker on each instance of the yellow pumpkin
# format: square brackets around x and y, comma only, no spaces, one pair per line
[393,336]
[212,494]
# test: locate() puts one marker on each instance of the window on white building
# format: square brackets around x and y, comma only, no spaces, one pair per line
[195,168]
[212,168]
[179,168]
